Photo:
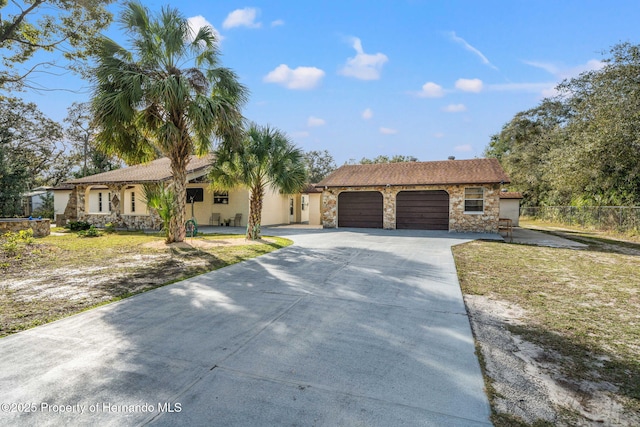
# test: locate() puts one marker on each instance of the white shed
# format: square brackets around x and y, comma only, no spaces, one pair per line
[510,206]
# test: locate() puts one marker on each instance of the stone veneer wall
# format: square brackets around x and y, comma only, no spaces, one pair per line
[485,222]
[76,205]
[130,222]
[40,227]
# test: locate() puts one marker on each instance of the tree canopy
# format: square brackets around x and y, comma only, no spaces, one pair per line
[266,158]
[32,152]
[319,164]
[66,29]
[384,159]
[583,146]
[166,96]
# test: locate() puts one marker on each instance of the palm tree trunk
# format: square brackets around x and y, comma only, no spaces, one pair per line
[176,223]
[255,213]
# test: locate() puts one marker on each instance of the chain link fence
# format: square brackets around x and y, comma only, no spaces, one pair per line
[619,218]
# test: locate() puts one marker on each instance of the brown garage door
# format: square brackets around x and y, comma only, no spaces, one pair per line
[362,209]
[422,210]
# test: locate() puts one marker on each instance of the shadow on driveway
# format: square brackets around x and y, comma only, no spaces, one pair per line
[341,328]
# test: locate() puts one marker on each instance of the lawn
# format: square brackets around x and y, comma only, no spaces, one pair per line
[582,307]
[49,278]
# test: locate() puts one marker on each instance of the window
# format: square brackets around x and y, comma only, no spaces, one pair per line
[474,199]
[195,195]
[99,202]
[109,201]
[221,198]
[133,201]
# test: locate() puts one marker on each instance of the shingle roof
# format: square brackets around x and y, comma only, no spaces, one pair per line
[510,195]
[155,171]
[475,171]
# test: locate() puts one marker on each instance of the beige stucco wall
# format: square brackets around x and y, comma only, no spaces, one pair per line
[510,208]
[315,202]
[459,221]
[275,207]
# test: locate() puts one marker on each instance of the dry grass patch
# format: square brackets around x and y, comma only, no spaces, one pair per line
[582,311]
[64,274]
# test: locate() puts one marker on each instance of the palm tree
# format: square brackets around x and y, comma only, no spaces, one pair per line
[146,106]
[265,158]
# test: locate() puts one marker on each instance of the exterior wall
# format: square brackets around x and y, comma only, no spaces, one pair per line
[238,203]
[510,208]
[459,221]
[315,202]
[60,200]
[40,227]
[82,205]
[275,208]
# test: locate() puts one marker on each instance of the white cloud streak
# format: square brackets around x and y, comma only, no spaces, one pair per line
[388,131]
[472,49]
[463,148]
[315,121]
[301,78]
[277,23]
[364,66]
[454,108]
[367,114]
[242,18]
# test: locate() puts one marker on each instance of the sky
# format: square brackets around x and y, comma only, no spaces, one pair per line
[429,79]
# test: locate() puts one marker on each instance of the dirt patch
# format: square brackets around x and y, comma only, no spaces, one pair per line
[526,382]
[205,243]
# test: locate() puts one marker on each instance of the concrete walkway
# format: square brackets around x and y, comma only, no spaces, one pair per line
[349,327]
[532,237]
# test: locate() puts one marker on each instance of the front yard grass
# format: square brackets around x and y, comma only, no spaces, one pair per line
[582,306]
[61,275]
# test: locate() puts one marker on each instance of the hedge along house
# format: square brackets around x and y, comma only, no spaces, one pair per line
[454,195]
[117,197]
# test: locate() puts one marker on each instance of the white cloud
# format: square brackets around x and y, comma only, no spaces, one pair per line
[197,22]
[367,114]
[522,87]
[315,121]
[472,49]
[388,131]
[277,23]
[364,66]
[469,85]
[299,78]
[454,108]
[438,135]
[431,90]
[465,147]
[242,18]
[562,72]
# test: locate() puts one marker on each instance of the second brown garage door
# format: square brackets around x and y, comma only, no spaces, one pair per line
[422,210]
[361,209]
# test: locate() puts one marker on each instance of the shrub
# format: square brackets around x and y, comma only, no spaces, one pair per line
[91,232]
[109,228]
[13,243]
[78,225]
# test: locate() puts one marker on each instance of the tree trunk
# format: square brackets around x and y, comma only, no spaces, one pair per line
[255,213]
[177,231]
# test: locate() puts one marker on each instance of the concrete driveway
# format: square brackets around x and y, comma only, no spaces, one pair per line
[349,327]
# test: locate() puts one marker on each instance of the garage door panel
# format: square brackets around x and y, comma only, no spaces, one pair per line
[422,210]
[361,209]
